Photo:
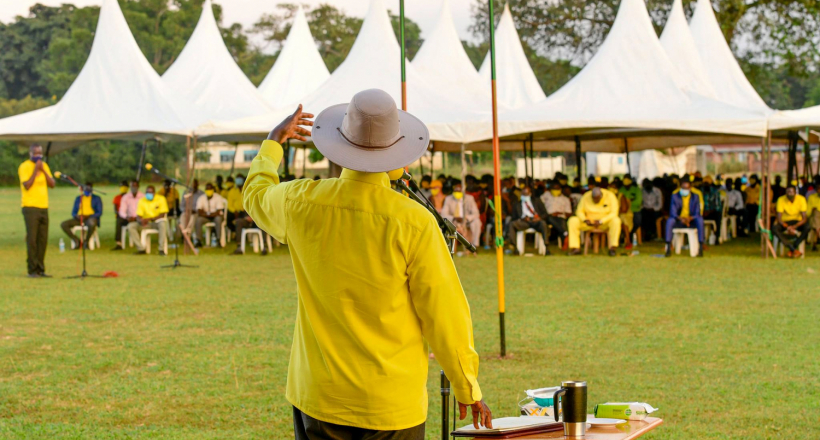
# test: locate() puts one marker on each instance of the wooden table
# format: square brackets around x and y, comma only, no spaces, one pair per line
[627,431]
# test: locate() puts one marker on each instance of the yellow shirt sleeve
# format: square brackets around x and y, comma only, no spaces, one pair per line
[441,306]
[263,196]
[580,211]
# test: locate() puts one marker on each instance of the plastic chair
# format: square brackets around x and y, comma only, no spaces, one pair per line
[781,248]
[93,241]
[521,240]
[146,240]
[677,240]
[709,227]
[210,226]
[256,239]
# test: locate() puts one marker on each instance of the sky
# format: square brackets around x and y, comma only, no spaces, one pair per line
[247,12]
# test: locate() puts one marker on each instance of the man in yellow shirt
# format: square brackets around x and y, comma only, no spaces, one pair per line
[87,210]
[35,180]
[752,193]
[375,281]
[814,212]
[598,209]
[152,213]
[791,221]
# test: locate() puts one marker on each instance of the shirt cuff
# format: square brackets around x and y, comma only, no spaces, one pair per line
[271,149]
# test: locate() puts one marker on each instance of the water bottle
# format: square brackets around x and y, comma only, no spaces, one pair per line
[213,240]
[635,240]
[62,246]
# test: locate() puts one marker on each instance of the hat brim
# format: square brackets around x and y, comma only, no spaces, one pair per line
[338,150]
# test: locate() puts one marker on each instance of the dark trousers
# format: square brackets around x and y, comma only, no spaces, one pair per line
[540,226]
[717,216]
[790,241]
[36,220]
[637,221]
[672,223]
[307,428]
[559,225]
[649,217]
[90,222]
[121,222]
[751,217]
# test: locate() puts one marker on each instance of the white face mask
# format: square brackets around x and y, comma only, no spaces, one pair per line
[684,192]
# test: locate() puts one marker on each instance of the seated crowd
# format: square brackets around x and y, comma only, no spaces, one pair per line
[623,211]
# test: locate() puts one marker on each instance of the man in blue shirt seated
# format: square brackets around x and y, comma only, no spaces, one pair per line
[684,212]
[89,207]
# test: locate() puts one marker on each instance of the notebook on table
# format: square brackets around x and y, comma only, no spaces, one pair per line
[511,427]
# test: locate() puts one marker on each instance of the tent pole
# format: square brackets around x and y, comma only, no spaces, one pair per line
[499,240]
[792,157]
[287,159]
[807,157]
[578,156]
[48,151]
[235,151]
[187,158]
[626,151]
[142,159]
[463,169]
[403,73]
[532,161]
[526,170]
[193,161]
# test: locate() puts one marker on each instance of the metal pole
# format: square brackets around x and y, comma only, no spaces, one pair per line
[792,157]
[578,156]
[403,73]
[526,170]
[445,407]
[626,151]
[532,161]
[235,151]
[142,159]
[187,158]
[48,150]
[499,240]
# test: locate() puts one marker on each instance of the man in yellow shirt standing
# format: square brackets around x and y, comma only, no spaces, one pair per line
[152,213]
[35,180]
[598,209]
[791,221]
[375,280]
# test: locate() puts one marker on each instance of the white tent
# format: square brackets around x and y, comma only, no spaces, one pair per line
[724,72]
[444,64]
[679,45]
[117,95]
[206,75]
[299,68]
[796,119]
[630,96]
[373,62]
[516,84]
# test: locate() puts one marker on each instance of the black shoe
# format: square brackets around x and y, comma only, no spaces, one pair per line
[45,275]
[34,275]
[700,251]
[117,248]
[668,250]
[197,244]
[264,252]
[238,251]
[162,253]
[547,252]
[140,253]
[573,252]
[612,252]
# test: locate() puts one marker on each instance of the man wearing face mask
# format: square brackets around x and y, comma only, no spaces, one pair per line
[425,186]
[127,211]
[752,203]
[634,196]
[598,209]
[35,180]
[684,212]
[120,222]
[152,213]
[559,209]
[241,218]
[462,210]
[88,209]
[527,212]
[436,195]
[210,208]
[792,226]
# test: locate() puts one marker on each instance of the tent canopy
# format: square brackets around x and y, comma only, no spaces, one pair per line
[206,75]
[796,119]
[724,72]
[631,84]
[516,83]
[117,95]
[679,45]
[299,69]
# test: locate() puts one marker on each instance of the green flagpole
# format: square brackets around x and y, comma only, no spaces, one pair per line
[403,72]
[499,240]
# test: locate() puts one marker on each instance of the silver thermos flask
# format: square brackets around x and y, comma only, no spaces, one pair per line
[574,407]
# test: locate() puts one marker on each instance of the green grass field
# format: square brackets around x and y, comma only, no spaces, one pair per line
[728,347]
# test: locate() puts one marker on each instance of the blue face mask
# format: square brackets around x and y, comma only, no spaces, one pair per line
[86,193]
[36,158]
[239,181]
[149,196]
[684,192]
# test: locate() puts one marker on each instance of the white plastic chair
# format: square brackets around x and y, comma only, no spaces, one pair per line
[93,241]
[677,240]
[781,248]
[210,226]
[521,240]
[256,239]
[709,228]
[146,240]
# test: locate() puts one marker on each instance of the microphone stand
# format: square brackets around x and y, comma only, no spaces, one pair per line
[83,233]
[451,236]
[176,263]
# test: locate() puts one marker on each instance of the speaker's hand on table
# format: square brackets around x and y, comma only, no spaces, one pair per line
[481,414]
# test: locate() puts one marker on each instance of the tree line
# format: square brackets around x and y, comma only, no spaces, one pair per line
[44,51]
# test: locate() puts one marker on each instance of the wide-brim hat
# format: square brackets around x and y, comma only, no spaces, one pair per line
[370,134]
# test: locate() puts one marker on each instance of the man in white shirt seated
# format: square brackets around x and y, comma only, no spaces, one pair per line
[559,209]
[736,201]
[209,208]
[527,212]
[651,209]
[462,210]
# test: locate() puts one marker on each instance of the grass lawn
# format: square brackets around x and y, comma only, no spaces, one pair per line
[727,346]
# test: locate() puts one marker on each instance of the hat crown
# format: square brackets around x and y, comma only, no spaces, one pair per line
[372,120]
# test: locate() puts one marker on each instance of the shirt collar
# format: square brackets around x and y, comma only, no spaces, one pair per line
[379,179]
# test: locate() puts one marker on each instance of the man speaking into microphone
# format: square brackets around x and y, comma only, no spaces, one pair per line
[35,180]
[375,279]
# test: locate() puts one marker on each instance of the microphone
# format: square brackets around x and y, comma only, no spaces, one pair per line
[151,168]
[58,174]
[398,174]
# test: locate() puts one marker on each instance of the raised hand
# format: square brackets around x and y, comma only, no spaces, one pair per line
[290,127]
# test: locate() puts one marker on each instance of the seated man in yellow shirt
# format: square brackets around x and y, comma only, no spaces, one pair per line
[152,213]
[598,209]
[814,212]
[88,209]
[791,226]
